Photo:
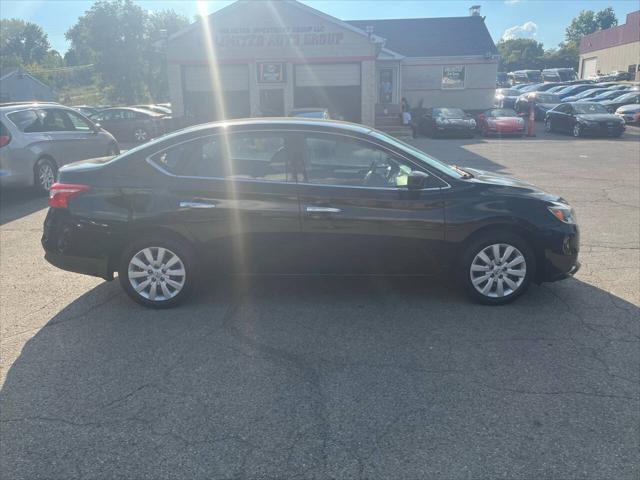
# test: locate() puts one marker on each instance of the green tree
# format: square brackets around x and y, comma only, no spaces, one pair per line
[566,55]
[520,53]
[588,22]
[22,42]
[113,34]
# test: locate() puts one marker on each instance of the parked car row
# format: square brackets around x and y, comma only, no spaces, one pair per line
[505,79]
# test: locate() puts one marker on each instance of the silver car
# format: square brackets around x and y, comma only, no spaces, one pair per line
[37,138]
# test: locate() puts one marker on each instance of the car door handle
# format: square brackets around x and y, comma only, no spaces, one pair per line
[194,204]
[314,209]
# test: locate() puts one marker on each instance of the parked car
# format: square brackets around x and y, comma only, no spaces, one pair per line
[525,76]
[614,86]
[502,80]
[36,139]
[573,89]
[559,74]
[628,98]
[583,118]
[445,121]
[542,102]
[608,95]
[226,197]
[586,94]
[321,113]
[539,87]
[500,121]
[155,108]
[131,124]
[86,110]
[629,113]
[506,97]
[557,88]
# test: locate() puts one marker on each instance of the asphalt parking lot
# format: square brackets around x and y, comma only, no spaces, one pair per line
[349,377]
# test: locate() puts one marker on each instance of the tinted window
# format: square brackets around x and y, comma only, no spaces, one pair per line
[563,108]
[501,112]
[547,98]
[79,123]
[26,120]
[260,156]
[589,108]
[337,161]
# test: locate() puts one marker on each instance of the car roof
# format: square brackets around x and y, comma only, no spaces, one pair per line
[141,110]
[310,109]
[8,106]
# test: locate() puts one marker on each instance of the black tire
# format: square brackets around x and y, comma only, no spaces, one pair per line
[42,172]
[577,130]
[478,245]
[178,247]
[548,126]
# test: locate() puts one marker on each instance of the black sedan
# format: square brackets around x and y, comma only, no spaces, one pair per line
[301,196]
[542,103]
[583,118]
[574,89]
[506,97]
[131,124]
[440,122]
[628,98]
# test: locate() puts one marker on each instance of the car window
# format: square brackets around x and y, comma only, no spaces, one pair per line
[338,161]
[139,115]
[448,112]
[563,108]
[54,120]
[26,120]
[79,123]
[547,98]
[590,108]
[251,156]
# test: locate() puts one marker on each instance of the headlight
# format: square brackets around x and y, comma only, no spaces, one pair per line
[563,212]
[472,122]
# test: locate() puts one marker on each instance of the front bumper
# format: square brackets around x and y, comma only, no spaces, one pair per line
[602,130]
[559,253]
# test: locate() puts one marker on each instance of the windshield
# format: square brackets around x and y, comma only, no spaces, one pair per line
[501,112]
[589,108]
[627,96]
[448,112]
[418,154]
[547,98]
[508,92]
[590,93]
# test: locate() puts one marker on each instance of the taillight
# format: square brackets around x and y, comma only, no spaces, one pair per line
[4,140]
[61,193]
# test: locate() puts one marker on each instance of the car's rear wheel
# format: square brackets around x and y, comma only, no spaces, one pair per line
[577,130]
[157,273]
[44,175]
[497,268]
[140,135]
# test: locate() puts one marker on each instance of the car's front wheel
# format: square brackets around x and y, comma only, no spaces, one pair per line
[157,273]
[547,126]
[577,130]
[497,268]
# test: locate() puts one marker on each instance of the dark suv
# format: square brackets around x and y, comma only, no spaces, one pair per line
[299,196]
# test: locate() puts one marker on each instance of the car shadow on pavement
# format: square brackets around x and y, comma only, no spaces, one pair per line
[16,203]
[300,377]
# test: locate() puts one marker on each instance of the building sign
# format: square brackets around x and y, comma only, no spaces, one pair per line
[453,77]
[248,37]
[271,72]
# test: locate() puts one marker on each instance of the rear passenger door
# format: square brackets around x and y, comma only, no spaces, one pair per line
[236,196]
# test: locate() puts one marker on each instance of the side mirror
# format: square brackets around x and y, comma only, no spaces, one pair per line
[417,180]
[96,127]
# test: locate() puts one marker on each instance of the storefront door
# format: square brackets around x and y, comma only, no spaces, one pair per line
[272,102]
[386,85]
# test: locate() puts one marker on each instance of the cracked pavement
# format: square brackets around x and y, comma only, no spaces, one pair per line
[345,378]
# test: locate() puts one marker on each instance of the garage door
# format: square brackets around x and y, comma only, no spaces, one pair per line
[589,67]
[335,86]
[230,83]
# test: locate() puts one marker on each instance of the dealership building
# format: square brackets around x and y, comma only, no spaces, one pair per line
[612,49]
[266,58]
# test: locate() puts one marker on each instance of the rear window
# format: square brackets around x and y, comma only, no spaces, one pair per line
[25,120]
[547,98]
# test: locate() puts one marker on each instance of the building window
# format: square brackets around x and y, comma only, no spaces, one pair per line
[453,77]
[271,73]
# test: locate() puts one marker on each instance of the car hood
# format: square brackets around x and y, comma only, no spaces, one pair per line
[629,108]
[511,184]
[597,117]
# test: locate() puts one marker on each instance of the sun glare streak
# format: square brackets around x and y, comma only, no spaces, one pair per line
[217,89]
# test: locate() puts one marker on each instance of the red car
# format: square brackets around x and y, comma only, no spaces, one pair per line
[501,121]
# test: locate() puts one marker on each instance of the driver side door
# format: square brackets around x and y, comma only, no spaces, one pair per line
[358,215]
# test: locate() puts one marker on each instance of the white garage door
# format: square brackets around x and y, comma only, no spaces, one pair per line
[232,78]
[589,67]
[328,75]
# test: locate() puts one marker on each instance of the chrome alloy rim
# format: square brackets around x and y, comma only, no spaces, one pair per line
[498,270]
[140,134]
[156,273]
[576,130]
[46,176]
[547,126]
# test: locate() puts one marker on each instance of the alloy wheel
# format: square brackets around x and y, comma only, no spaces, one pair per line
[547,125]
[577,131]
[140,134]
[46,175]
[498,270]
[156,273]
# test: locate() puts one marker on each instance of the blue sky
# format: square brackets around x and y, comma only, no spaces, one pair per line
[544,20]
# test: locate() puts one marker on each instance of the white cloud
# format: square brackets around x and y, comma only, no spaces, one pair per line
[511,2]
[526,30]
